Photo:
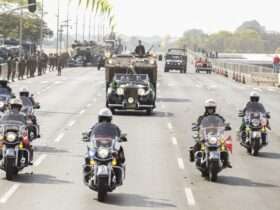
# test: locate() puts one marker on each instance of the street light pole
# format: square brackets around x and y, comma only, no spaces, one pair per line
[42,24]
[20,31]
[67,35]
[57,28]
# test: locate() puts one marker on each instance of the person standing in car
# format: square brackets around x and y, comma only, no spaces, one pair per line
[140,49]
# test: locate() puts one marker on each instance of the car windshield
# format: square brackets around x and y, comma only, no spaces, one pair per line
[131,77]
[174,57]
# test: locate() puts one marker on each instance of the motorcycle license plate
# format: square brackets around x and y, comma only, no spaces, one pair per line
[102,170]
[214,155]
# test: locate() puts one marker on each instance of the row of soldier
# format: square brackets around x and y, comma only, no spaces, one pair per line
[35,64]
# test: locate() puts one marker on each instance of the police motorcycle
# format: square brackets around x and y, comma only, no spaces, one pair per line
[103,170]
[32,124]
[15,152]
[256,125]
[210,159]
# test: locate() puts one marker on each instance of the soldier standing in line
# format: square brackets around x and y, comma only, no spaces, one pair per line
[28,66]
[9,67]
[21,67]
[40,64]
[14,68]
[33,65]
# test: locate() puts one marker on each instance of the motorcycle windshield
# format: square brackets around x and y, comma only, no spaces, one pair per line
[255,107]
[105,130]
[13,119]
[4,91]
[27,105]
[212,126]
[102,142]
[4,98]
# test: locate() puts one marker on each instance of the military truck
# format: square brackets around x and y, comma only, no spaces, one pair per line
[176,59]
[131,83]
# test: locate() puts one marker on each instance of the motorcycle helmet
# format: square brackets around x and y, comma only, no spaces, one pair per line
[254,97]
[105,115]
[210,106]
[24,92]
[15,104]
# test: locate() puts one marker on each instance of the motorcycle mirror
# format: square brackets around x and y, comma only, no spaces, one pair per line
[228,127]
[268,115]
[195,136]
[37,106]
[241,113]
[85,137]
[194,128]
[123,138]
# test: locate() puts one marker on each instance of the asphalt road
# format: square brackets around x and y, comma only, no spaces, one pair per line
[159,175]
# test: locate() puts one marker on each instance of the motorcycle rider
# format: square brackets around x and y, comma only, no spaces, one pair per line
[210,109]
[15,114]
[105,123]
[24,93]
[254,101]
[140,49]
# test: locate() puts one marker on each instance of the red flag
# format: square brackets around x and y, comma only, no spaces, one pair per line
[229,145]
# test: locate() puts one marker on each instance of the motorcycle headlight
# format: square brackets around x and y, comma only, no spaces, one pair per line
[2,104]
[103,152]
[110,61]
[141,92]
[11,137]
[29,121]
[120,91]
[110,90]
[213,140]
[255,122]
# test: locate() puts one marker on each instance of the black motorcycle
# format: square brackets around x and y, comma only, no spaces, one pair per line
[32,124]
[214,145]
[103,170]
[255,130]
[15,154]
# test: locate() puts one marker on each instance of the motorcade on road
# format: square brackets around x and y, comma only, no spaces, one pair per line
[131,83]
[176,59]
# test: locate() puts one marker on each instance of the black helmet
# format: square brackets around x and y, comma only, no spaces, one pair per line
[105,115]
[24,92]
[254,97]
[210,106]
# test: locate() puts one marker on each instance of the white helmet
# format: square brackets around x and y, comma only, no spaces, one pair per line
[210,103]
[254,96]
[210,106]
[105,114]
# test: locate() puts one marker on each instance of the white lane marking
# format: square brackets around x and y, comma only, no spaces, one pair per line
[258,89]
[38,93]
[59,137]
[9,193]
[82,111]
[58,82]
[198,86]
[170,126]
[89,105]
[189,196]
[44,82]
[158,85]
[40,160]
[271,89]
[71,123]
[181,163]
[170,85]
[174,140]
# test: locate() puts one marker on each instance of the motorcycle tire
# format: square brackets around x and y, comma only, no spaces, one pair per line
[213,175]
[10,169]
[255,147]
[102,190]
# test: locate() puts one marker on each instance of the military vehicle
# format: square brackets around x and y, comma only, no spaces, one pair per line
[176,59]
[131,83]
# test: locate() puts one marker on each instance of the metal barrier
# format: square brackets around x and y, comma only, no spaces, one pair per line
[243,73]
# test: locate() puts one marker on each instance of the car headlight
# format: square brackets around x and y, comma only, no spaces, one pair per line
[255,122]
[110,61]
[141,92]
[2,104]
[11,137]
[130,100]
[120,91]
[213,140]
[103,152]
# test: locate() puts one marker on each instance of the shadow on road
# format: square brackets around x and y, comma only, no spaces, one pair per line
[144,114]
[132,200]
[174,100]
[46,149]
[39,179]
[238,181]
[269,155]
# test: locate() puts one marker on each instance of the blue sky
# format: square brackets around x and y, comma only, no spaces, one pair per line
[162,17]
